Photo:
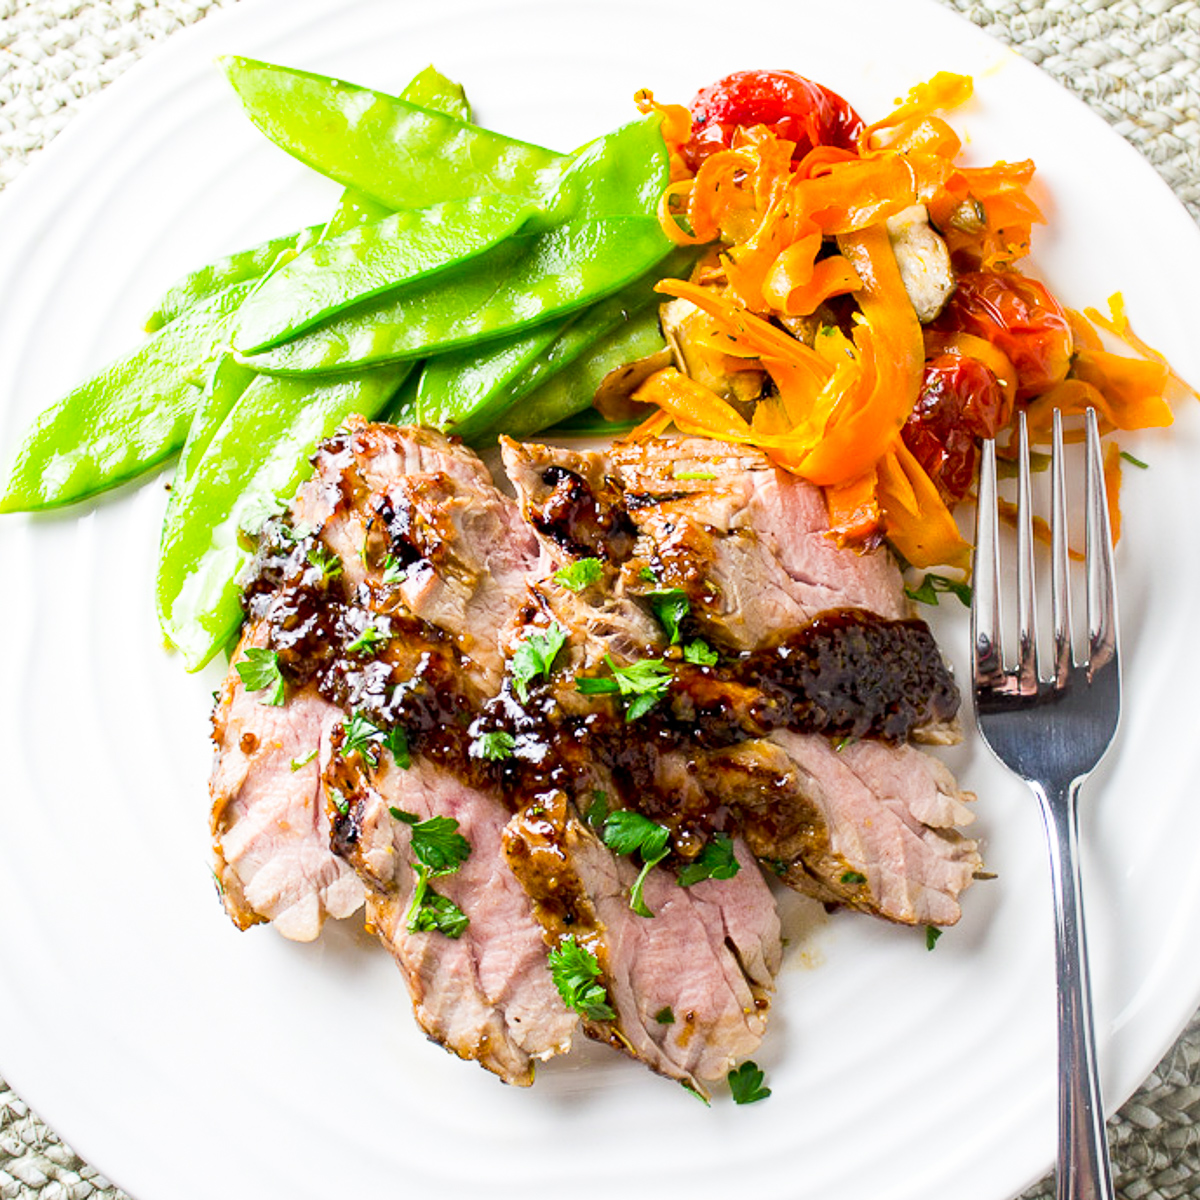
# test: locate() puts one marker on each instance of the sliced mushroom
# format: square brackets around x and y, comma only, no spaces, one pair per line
[681,324]
[924,261]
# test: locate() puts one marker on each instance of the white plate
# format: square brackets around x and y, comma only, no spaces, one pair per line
[187,1060]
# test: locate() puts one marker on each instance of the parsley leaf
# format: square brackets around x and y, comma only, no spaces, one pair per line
[493,745]
[393,572]
[932,933]
[670,606]
[397,742]
[575,972]
[694,475]
[362,736]
[303,761]
[665,1016]
[367,643]
[339,800]
[642,684]
[435,913]
[746,1084]
[597,812]
[535,656]
[260,673]
[647,575]
[580,573]
[700,654]
[716,861]
[931,585]
[853,878]
[436,842]
[628,832]
[1137,462]
[325,561]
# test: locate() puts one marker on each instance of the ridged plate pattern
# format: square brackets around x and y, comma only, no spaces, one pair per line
[187,1060]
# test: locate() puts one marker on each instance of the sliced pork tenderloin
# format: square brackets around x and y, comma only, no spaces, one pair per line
[270,833]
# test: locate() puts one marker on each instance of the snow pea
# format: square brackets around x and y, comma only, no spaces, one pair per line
[123,421]
[469,392]
[372,260]
[620,174]
[570,390]
[238,482]
[522,282]
[243,266]
[430,89]
[401,154]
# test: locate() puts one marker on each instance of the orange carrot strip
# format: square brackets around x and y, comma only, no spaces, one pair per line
[1118,325]
[916,519]
[1133,387]
[855,195]
[945,90]
[795,286]
[692,403]
[854,513]
[1112,488]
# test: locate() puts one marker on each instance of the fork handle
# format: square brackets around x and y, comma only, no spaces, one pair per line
[1084,1172]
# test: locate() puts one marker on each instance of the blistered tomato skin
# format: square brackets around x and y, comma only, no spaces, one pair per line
[1019,317]
[794,108]
[960,402]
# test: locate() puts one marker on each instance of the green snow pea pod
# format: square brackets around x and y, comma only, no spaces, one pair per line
[243,266]
[400,154]
[123,421]
[372,260]
[571,390]
[620,174]
[469,392]
[523,281]
[430,89]
[239,480]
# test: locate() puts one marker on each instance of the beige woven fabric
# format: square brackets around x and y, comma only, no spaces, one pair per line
[1137,64]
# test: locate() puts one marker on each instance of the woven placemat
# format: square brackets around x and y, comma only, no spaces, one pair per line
[1137,64]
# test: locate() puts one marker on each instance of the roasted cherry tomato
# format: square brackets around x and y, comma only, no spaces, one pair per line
[960,402]
[1019,317]
[794,108]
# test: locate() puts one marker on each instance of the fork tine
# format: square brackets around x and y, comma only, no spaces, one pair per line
[985,605]
[1027,661]
[1101,577]
[1060,589]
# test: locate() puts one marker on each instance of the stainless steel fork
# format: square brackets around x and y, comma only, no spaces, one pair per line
[1052,732]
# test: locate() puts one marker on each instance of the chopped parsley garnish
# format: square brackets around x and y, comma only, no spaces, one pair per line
[628,832]
[494,745]
[436,842]
[597,812]
[647,575]
[535,657]
[393,572]
[1137,462]
[931,585]
[439,850]
[641,685]
[368,642]
[716,861]
[260,673]
[694,475]
[339,800]
[397,742]
[434,913]
[665,1015]
[325,561]
[842,742]
[670,606]
[362,736]
[580,573]
[932,933]
[576,973]
[746,1084]
[699,653]
[853,878]
[298,763]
